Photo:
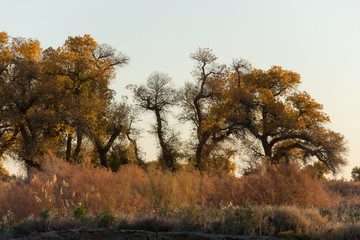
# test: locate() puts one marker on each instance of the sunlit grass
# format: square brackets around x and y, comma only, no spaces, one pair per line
[279,200]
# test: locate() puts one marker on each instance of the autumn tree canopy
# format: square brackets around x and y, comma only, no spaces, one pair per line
[198,96]
[24,117]
[82,70]
[60,100]
[276,121]
[52,99]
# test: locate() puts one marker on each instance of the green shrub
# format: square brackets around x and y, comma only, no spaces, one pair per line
[80,212]
[190,218]
[216,227]
[28,226]
[242,220]
[48,214]
[105,218]
[7,224]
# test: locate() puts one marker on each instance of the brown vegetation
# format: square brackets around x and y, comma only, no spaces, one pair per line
[60,100]
[286,185]
[63,187]
[280,200]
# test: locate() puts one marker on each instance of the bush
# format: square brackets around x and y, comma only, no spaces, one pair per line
[28,226]
[7,224]
[190,218]
[292,219]
[105,218]
[80,212]
[286,218]
[242,220]
[318,223]
[342,232]
[285,185]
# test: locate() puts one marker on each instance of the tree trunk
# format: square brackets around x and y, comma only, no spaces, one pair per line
[28,153]
[75,156]
[200,149]
[103,159]
[166,154]
[104,150]
[135,149]
[68,147]
[267,149]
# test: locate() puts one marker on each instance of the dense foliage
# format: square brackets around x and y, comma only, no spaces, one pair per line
[60,100]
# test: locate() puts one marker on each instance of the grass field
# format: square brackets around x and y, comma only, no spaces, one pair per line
[280,201]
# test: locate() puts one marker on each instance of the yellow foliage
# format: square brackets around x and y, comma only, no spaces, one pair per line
[29,50]
[3,172]
[4,38]
[287,122]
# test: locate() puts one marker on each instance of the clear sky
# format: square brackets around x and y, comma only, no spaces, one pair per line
[320,39]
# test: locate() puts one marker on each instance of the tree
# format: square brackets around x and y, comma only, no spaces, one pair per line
[197,98]
[22,113]
[200,97]
[125,150]
[8,131]
[318,170]
[282,123]
[157,96]
[133,153]
[110,124]
[82,70]
[355,174]
[48,97]
[4,174]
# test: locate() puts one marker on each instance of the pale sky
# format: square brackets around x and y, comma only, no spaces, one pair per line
[319,39]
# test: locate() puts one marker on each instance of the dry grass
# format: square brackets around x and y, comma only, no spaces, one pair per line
[281,200]
[349,191]
[345,188]
[291,218]
[63,187]
[342,232]
[286,185]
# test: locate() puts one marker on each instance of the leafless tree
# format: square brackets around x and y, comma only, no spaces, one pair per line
[157,96]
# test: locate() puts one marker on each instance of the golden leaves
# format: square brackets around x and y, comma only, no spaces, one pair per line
[4,38]
[276,80]
[306,110]
[27,49]
[82,45]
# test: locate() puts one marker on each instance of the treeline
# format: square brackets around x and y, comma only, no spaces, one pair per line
[59,100]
